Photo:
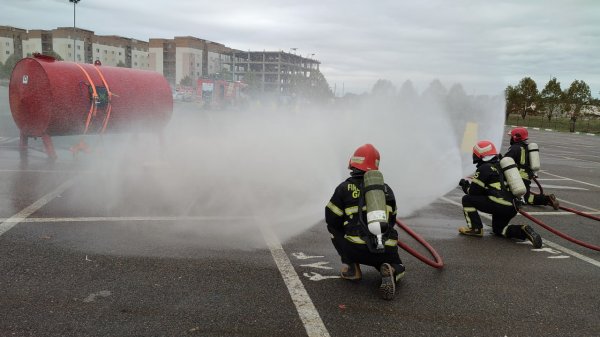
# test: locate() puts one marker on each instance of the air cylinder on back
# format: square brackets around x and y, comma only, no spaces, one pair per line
[513,177]
[534,156]
[377,217]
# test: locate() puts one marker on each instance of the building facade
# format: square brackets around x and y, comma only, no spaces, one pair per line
[188,57]
[276,71]
[181,58]
[11,42]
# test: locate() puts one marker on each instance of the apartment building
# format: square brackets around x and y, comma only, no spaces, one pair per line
[37,41]
[79,45]
[178,58]
[188,56]
[73,44]
[120,51]
[11,42]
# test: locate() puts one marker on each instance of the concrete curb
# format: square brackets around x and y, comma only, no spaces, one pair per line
[552,130]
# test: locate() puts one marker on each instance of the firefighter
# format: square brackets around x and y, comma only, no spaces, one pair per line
[519,153]
[349,235]
[489,192]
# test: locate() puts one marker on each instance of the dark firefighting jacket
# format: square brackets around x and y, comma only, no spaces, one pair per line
[489,181]
[341,213]
[519,153]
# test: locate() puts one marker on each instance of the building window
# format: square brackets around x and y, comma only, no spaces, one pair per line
[69,45]
[135,64]
[7,52]
[7,44]
[78,47]
[105,51]
[113,52]
[97,50]
[119,53]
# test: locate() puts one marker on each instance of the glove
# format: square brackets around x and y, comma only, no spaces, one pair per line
[464,184]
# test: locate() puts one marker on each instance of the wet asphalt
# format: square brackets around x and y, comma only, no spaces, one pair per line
[83,266]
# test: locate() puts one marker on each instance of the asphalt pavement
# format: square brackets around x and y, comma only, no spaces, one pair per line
[78,261]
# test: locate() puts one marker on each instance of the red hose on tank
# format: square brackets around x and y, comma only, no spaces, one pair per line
[438,263]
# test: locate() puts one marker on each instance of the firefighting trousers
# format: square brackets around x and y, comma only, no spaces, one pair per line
[359,253]
[501,215]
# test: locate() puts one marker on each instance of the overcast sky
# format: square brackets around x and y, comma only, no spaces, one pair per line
[483,45]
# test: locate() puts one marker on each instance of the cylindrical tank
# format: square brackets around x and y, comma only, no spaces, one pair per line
[377,217]
[54,98]
[534,156]
[513,178]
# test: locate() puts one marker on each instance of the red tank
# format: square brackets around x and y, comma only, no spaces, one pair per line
[55,98]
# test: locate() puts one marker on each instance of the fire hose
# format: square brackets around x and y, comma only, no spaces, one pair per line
[561,234]
[566,208]
[436,263]
[552,230]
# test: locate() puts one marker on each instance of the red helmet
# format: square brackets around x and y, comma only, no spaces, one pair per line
[519,134]
[365,158]
[484,148]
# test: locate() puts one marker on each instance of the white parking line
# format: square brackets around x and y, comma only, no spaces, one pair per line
[306,309]
[128,218]
[559,187]
[546,241]
[579,181]
[27,211]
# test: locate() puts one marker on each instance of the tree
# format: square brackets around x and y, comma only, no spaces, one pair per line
[514,100]
[576,97]
[55,55]
[435,92]
[7,68]
[319,89]
[186,81]
[551,97]
[527,88]
[121,64]
[407,94]
[383,88]
[254,86]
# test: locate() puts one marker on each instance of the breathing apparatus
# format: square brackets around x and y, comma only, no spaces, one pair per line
[377,215]
[485,151]
[366,159]
[513,177]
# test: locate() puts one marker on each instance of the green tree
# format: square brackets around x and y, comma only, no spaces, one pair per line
[514,100]
[7,68]
[187,81]
[383,88]
[527,88]
[121,64]
[55,55]
[319,89]
[254,86]
[576,97]
[551,97]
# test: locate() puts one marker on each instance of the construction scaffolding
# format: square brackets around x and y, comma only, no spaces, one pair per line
[275,70]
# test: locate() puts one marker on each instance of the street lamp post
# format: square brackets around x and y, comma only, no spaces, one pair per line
[74,4]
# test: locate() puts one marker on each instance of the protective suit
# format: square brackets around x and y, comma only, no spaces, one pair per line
[519,153]
[488,192]
[346,219]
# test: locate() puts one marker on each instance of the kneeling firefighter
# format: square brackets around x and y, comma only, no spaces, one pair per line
[528,161]
[489,192]
[360,217]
